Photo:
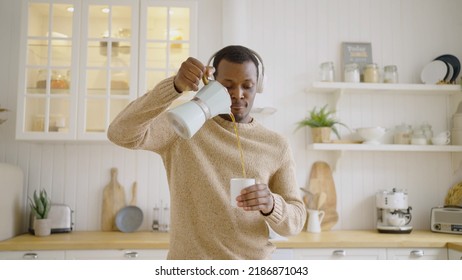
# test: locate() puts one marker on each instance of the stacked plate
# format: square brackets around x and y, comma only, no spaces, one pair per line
[443,69]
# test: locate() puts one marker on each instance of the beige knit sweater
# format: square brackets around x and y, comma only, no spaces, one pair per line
[203,224]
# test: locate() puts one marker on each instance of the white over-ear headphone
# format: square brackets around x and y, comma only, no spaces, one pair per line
[261,69]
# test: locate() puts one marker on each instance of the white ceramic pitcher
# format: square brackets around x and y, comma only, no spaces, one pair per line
[314,220]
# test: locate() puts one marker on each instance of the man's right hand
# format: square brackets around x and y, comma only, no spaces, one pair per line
[189,75]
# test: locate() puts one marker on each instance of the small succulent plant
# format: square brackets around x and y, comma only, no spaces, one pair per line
[40,204]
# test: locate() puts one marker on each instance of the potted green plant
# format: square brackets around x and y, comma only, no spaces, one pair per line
[322,123]
[40,206]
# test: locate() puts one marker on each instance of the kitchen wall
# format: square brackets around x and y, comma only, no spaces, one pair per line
[293,37]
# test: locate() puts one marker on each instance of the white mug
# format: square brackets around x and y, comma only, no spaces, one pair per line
[441,140]
[211,100]
[444,134]
[314,220]
[237,185]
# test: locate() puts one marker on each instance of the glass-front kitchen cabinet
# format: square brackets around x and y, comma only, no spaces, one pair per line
[83,61]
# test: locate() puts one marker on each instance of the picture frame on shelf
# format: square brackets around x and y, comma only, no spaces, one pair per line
[357,52]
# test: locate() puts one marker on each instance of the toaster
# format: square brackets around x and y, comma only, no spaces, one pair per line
[61,219]
[446,219]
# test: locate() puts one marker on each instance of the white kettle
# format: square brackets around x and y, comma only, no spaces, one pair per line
[211,100]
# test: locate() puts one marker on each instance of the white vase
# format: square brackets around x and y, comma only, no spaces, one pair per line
[42,227]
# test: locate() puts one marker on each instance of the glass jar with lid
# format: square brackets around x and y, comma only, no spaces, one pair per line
[326,71]
[403,134]
[390,74]
[351,73]
[371,73]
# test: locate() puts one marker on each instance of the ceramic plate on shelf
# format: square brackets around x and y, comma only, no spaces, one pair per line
[129,219]
[454,63]
[434,72]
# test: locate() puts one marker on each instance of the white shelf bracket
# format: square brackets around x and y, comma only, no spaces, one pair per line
[337,157]
[335,97]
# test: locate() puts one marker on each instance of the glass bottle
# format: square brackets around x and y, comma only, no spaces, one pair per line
[371,73]
[326,71]
[155,218]
[390,74]
[164,223]
[351,73]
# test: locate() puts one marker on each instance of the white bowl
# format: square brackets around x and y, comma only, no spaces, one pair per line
[371,135]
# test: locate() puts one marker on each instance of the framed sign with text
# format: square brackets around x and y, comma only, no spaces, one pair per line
[359,53]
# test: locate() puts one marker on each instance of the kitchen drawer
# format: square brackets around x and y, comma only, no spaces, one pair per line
[32,255]
[116,254]
[283,254]
[417,254]
[340,254]
[454,254]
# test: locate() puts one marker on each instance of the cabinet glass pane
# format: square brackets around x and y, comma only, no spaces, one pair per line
[59,81]
[59,115]
[36,80]
[97,82]
[121,22]
[95,118]
[34,114]
[97,54]
[157,23]
[178,55]
[179,24]
[62,20]
[120,82]
[117,105]
[98,21]
[37,52]
[120,54]
[61,53]
[39,14]
[153,78]
[156,55]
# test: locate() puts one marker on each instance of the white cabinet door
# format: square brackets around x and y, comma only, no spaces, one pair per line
[454,254]
[47,92]
[83,61]
[340,254]
[116,254]
[32,255]
[417,254]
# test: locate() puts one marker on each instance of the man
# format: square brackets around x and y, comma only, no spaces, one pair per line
[203,223]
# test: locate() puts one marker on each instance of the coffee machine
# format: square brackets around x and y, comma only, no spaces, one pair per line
[393,211]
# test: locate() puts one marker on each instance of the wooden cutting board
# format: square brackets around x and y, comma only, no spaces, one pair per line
[113,201]
[321,180]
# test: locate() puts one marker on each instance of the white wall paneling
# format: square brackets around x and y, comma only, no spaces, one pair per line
[293,37]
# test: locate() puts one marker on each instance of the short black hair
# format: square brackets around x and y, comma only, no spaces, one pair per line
[235,54]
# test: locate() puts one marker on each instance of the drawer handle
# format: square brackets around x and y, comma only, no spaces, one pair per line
[30,256]
[417,253]
[339,253]
[131,255]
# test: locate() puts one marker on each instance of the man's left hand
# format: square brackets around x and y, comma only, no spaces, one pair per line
[256,197]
